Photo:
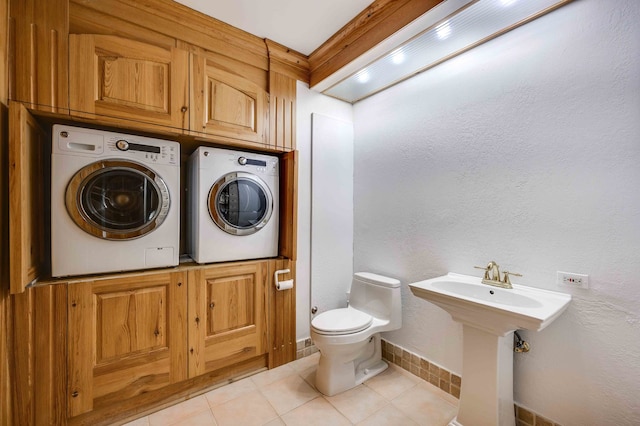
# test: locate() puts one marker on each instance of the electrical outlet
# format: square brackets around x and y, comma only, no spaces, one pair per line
[573,280]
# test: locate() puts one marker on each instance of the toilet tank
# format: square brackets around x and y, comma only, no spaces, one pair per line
[378,296]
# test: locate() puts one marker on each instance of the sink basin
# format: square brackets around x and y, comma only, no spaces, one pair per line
[489,316]
[493,309]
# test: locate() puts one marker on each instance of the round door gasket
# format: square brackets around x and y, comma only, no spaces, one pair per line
[220,220]
[73,199]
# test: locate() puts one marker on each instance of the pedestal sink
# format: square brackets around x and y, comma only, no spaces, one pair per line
[489,316]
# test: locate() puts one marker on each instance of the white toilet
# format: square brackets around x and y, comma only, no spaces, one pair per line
[349,338]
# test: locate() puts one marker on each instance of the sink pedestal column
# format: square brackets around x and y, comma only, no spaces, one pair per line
[486,397]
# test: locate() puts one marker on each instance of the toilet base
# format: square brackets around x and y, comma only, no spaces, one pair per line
[340,373]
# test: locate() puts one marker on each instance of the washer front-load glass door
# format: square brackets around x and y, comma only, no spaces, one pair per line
[240,203]
[117,199]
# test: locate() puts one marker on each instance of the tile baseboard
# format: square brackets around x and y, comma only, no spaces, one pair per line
[448,381]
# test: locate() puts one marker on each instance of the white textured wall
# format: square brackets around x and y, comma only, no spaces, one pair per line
[307,103]
[526,151]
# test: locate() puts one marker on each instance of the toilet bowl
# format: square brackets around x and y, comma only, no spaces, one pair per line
[349,338]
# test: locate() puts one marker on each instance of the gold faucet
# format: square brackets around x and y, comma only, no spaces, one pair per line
[492,275]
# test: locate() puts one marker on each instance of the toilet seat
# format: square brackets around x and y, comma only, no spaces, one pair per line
[341,321]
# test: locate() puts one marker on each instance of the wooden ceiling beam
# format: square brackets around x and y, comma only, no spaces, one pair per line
[379,20]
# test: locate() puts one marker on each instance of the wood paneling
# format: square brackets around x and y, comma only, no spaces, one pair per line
[227,315]
[288,244]
[371,26]
[282,314]
[27,147]
[6,344]
[4,54]
[116,77]
[39,53]
[38,359]
[282,114]
[127,336]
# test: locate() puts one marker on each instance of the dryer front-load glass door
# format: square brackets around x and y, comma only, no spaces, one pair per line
[117,199]
[240,203]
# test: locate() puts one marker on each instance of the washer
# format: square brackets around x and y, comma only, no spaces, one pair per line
[115,202]
[233,205]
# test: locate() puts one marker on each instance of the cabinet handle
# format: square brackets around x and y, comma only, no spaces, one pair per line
[179,284]
[212,305]
[156,332]
[75,394]
[197,320]
[183,109]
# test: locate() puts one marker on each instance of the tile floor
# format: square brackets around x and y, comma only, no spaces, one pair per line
[286,396]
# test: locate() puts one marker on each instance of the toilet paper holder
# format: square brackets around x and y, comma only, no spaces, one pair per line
[282,285]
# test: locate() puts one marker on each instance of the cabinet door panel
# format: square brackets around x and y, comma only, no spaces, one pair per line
[227,309]
[127,336]
[130,322]
[227,104]
[134,83]
[116,77]
[231,303]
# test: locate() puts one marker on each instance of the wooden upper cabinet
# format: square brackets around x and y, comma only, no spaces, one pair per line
[116,77]
[226,104]
[127,337]
[28,144]
[227,315]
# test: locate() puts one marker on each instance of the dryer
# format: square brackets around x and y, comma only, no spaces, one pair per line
[233,205]
[115,202]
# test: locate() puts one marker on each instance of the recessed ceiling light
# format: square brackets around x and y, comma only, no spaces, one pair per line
[443,30]
[363,76]
[397,56]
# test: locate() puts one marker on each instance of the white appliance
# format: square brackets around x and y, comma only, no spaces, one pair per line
[233,205]
[115,202]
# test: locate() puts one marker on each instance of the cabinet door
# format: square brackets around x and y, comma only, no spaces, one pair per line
[226,104]
[127,336]
[27,145]
[227,315]
[116,77]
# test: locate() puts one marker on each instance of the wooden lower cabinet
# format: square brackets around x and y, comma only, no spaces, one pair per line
[127,336]
[227,315]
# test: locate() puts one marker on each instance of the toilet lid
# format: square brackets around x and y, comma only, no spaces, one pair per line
[341,321]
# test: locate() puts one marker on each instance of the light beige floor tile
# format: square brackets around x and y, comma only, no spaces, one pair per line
[288,393]
[267,377]
[143,421]
[387,416]
[358,403]
[439,393]
[276,422]
[317,412]
[304,363]
[425,406]
[250,409]
[204,418]
[230,391]
[177,412]
[391,383]
[309,376]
